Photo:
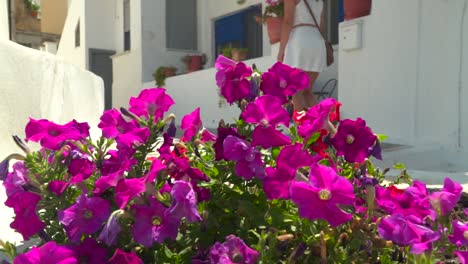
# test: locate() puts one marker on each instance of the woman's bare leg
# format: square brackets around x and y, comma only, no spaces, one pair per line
[308,93]
[305,99]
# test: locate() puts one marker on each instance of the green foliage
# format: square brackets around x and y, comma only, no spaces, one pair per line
[161,74]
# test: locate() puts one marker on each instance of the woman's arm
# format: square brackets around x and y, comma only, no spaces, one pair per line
[288,20]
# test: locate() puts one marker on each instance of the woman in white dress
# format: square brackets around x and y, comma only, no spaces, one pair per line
[302,46]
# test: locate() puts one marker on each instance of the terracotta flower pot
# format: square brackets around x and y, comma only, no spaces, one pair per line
[274,29]
[239,55]
[168,72]
[34,14]
[195,63]
[356,8]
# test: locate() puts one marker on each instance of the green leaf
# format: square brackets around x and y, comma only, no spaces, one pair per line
[313,138]
[381,137]
[399,166]
[168,252]
[274,153]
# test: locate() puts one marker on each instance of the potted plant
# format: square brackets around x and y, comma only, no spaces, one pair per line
[162,73]
[194,62]
[273,18]
[227,52]
[239,54]
[34,9]
[356,8]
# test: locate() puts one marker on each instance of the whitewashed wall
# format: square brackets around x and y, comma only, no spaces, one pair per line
[100,30]
[127,66]
[40,85]
[4,31]
[67,49]
[405,81]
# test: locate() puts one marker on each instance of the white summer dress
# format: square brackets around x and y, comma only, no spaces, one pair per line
[306,48]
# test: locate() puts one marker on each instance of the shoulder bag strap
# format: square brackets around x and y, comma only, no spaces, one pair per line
[313,17]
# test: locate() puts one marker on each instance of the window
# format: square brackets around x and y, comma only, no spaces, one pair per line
[77,34]
[181,24]
[126,28]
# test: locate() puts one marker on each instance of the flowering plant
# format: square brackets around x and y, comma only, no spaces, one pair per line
[261,190]
[273,8]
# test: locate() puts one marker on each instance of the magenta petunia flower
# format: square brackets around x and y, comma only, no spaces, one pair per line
[86,216]
[408,231]
[117,161]
[111,229]
[269,137]
[319,199]
[106,182]
[127,189]
[411,201]
[223,132]
[122,257]
[80,169]
[151,102]
[206,136]
[51,135]
[462,256]
[58,187]
[278,180]
[460,234]
[231,77]
[191,123]
[89,252]
[26,221]
[353,140]
[233,250]
[266,110]
[156,167]
[282,81]
[184,202]
[248,159]
[48,253]
[445,200]
[316,118]
[126,134]
[152,223]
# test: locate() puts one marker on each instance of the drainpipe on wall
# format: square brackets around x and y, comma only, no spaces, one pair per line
[460,73]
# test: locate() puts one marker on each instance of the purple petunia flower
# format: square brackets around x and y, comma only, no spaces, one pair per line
[16,179]
[58,187]
[26,222]
[126,134]
[462,256]
[223,132]
[152,223]
[408,231]
[116,162]
[184,202]
[111,230]
[353,140]
[51,135]
[231,77]
[122,257]
[460,234]
[86,216]
[233,250]
[278,180]
[156,167]
[90,252]
[151,102]
[80,169]
[191,123]
[316,118]
[106,182]
[445,200]
[248,159]
[127,189]
[282,81]
[48,253]
[319,199]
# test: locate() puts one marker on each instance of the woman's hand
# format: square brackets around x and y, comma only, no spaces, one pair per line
[280,57]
